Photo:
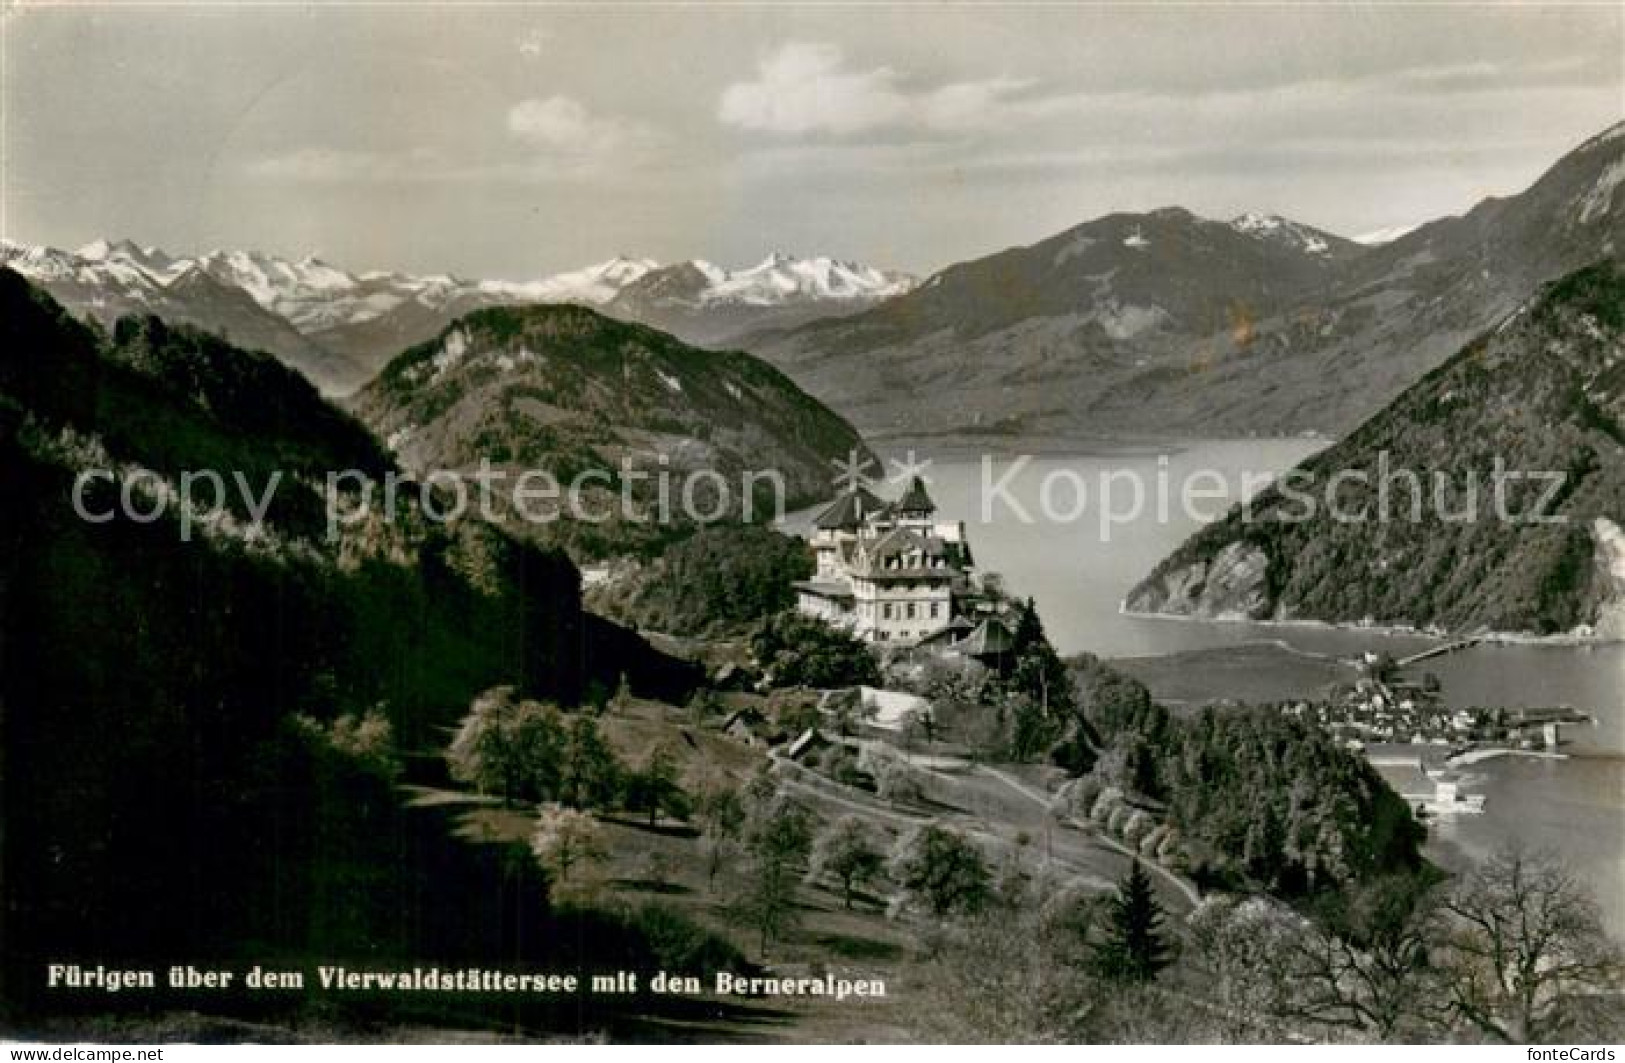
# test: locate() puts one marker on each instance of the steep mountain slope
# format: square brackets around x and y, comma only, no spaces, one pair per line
[1393,313]
[150,675]
[1025,338]
[1165,323]
[567,390]
[107,281]
[1541,397]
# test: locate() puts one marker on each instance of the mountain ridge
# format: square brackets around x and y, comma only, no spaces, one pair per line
[1540,395]
[568,390]
[339,327]
[1104,329]
[1145,324]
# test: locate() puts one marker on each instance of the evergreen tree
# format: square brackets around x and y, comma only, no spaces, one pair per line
[1133,949]
[1037,670]
[1029,632]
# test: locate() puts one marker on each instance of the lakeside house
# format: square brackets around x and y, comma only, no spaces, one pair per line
[1428,789]
[891,572]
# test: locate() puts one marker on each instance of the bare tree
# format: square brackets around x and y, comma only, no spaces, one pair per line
[849,852]
[990,979]
[1367,964]
[1528,959]
[778,836]
[1245,949]
[721,812]
[566,843]
[942,870]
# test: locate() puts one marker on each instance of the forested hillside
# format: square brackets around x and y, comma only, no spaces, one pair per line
[1423,532]
[1254,798]
[174,696]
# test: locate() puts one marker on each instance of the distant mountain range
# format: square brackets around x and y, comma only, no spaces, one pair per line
[1543,393]
[339,328]
[706,304]
[1169,324]
[1155,324]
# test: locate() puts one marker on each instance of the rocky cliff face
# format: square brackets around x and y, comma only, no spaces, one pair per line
[1610,560]
[1489,496]
[1234,585]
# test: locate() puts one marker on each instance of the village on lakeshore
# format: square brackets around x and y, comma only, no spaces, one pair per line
[901,577]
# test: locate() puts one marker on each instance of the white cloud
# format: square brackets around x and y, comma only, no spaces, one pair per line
[569,141]
[564,125]
[803,87]
[556,138]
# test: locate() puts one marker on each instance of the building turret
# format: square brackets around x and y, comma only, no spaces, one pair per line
[916,503]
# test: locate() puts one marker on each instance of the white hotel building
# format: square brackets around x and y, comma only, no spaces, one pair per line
[888,572]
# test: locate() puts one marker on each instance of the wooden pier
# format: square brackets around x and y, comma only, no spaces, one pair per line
[1440,651]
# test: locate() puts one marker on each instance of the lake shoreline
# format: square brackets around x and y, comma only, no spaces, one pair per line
[958,444]
[1079,582]
[1489,638]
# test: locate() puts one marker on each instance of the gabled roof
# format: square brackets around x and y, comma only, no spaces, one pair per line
[905,554]
[850,511]
[899,541]
[748,716]
[990,639]
[915,500]
[945,636]
[810,739]
[836,592]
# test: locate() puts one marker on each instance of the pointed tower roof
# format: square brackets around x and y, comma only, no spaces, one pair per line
[915,501]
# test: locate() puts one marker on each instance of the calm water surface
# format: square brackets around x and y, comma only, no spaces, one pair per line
[1079,572]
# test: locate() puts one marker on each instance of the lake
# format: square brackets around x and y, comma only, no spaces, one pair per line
[1078,553]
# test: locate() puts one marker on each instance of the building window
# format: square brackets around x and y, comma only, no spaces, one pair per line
[911,610]
[935,606]
[885,610]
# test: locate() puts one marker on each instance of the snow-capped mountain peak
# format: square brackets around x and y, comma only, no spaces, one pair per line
[95,251]
[306,303]
[1283,230]
[622,270]
[713,273]
[1253,222]
[782,278]
[593,285]
[158,266]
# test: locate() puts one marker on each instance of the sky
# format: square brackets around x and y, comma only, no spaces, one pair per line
[514,140]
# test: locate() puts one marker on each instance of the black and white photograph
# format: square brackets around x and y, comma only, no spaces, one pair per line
[811,523]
